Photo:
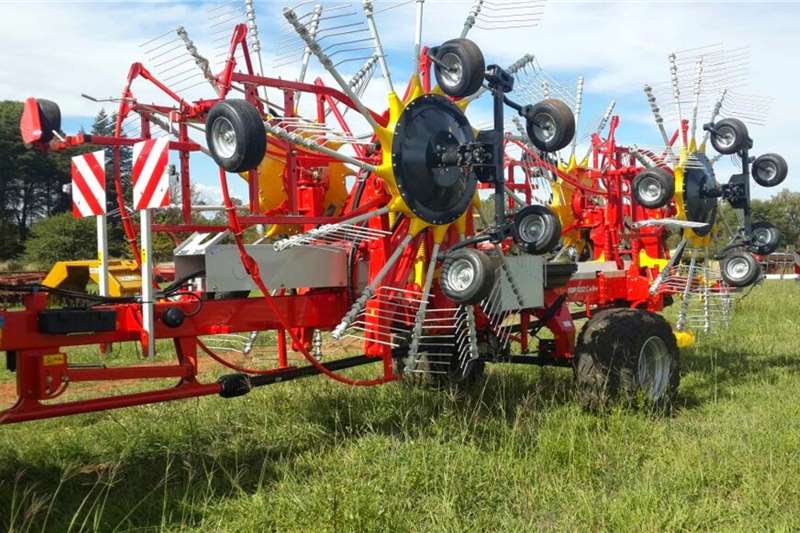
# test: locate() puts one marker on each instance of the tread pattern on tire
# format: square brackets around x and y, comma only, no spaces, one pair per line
[781,166]
[50,116]
[251,135]
[754,273]
[740,130]
[564,118]
[485,275]
[473,65]
[606,359]
[667,181]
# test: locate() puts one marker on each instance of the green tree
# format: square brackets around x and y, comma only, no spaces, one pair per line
[104,125]
[10,243]
[63,237]
[783,210]
[164,244]
[486,212]
[31,182]
[59,238]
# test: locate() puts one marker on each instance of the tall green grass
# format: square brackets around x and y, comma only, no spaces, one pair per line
[515,454]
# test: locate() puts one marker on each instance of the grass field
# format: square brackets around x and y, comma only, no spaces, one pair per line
[515,454]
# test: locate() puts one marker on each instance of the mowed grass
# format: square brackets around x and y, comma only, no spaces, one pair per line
[516,453]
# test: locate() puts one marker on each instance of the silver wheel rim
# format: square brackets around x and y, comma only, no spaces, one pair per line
[650,190]
[453,73]
[737,268]
[654,367]
[726,137]
[224,137]
[544,126]
[531,228]
[766,171]
[763,236]
[461,275]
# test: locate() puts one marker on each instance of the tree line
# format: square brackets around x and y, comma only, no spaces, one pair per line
[31,183]
[37,227]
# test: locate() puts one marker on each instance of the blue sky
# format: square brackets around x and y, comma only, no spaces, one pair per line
[60,49]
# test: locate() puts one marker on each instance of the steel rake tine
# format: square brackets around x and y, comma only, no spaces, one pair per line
[377,45]
[335,48]
[291,17]
[393,5]
[190,87]
[190,77]
[370,289]
[224,22]
[170,60]
[219,6]
[486,303]
[172,77]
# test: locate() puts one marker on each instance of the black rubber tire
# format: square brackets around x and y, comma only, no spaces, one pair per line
[560,119]
[471,375]
[483,280]
[49,117]
[657,177]
[455,376]
[587,254]
[766,238]
[735,133]
[467,57]
[732,264]
[773,164]
[606,362]
[247,127]
[548,235]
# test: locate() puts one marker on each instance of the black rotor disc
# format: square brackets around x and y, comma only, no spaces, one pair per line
[424,149]
[697,180]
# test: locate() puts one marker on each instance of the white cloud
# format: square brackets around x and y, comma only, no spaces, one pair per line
[209,194]
[59,49]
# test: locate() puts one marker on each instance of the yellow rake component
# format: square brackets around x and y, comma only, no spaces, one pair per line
[695,240]
[685,339]
[124,278]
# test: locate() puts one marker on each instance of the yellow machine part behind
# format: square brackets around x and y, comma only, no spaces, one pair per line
[272,189]
[124,278]
[695,240]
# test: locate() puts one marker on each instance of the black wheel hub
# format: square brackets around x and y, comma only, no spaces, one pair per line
[698,182]
[425,159]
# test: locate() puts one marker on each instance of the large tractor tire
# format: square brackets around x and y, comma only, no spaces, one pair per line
[628,357]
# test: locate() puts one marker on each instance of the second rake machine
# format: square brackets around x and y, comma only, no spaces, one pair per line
[373,250]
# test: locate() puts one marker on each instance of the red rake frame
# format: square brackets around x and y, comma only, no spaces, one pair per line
[43,370]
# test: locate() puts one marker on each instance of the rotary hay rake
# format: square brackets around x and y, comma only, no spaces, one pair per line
[371,251]
[617,201]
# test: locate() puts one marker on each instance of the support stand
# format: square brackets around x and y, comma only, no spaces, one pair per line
[148,291]
[102,256]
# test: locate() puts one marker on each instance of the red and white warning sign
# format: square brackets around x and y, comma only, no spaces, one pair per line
[149,176]
[89,184]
